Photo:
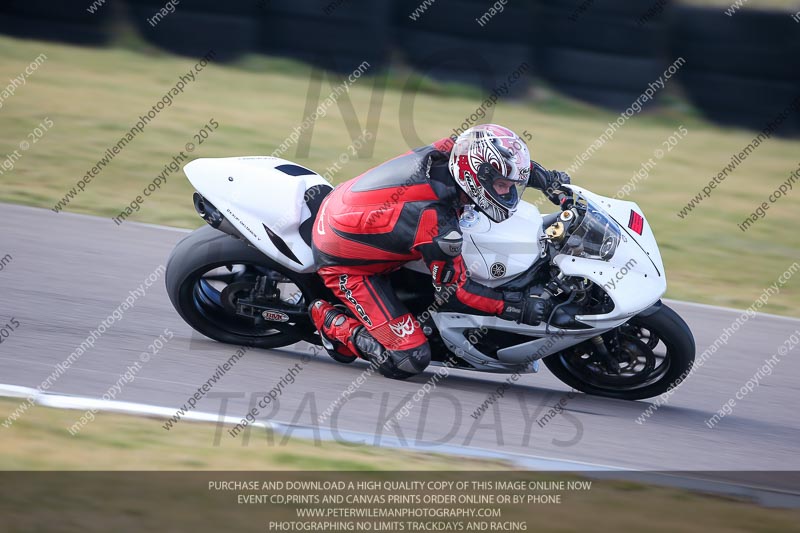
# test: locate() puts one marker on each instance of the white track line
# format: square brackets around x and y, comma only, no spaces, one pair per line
[764,495]
[61,401]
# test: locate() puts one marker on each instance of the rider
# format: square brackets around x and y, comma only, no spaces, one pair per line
[408,209]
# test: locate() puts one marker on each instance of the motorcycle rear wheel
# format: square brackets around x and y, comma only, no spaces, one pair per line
[208,270]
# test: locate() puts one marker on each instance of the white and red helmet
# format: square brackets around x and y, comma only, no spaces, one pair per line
[491,164]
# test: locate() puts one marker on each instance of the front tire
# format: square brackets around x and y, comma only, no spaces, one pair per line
[663,357]
[209,270]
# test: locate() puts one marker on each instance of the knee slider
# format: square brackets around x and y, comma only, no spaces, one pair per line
[413,360]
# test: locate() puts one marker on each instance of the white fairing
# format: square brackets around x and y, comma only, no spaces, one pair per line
[497,252]
[634,277]
[253,196]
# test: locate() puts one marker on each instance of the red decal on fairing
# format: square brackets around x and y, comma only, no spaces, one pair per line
[636,222]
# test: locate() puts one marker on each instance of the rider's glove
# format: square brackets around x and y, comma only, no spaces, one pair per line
[559,177]
[535,309]
[531,309]
[512,308]
[548,181]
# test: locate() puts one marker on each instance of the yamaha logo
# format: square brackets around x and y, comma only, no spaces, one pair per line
[497,270]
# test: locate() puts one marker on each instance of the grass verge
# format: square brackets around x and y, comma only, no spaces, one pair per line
[172,502]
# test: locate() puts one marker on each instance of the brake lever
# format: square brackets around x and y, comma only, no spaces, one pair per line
[564,201]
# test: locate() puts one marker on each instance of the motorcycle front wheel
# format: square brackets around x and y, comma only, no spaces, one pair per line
[650,355]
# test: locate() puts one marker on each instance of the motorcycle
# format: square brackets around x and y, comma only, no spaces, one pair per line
[248,277]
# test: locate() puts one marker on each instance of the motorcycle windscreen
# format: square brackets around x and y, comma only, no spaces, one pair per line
[597,237]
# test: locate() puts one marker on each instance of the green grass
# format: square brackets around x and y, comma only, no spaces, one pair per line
[83,502]
[95,95]
[40,440]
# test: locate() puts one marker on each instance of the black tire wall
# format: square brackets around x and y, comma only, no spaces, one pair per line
[741,70]
[451,41]
[338,35]
[66,21]
[602,52]
[335,35]
[228,28]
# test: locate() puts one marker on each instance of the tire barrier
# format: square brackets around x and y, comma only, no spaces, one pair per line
[744,102]
[741,70]
[338,35]
[625,9]
[68,21]
[193,27]
[62,10]
[475,42]
[453,59]
[601,52]
[191,33]
[241,8]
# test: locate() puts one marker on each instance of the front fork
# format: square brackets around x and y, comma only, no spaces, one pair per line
[611,362]
[605,357]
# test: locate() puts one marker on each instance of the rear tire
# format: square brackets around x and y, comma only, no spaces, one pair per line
[205,309]
[676,337]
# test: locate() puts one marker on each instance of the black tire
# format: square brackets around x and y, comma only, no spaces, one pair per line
[779,64]
[753,44]
[459,18]
[63,10]
[340,47]
[612,99]
[620,8]
[600,71]
[735,93]
[335,11]
[205,249]
[449,58]
[742,70]
[72,32]
[748,27]
[246,8]
[194,34]
[340,41]
[601,33]
[290,33]
[732,100]
[680,353]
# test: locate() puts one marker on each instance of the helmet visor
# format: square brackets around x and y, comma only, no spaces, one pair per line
[504,190]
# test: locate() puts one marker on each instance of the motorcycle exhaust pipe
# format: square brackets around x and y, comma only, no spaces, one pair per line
[213,217]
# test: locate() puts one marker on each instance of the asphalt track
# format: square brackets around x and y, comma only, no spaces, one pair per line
[69,272]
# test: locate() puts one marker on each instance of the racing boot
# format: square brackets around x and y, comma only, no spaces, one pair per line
[394,364]
[336,330]
[346,339]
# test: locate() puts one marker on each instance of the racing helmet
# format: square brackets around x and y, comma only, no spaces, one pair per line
[491,164]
